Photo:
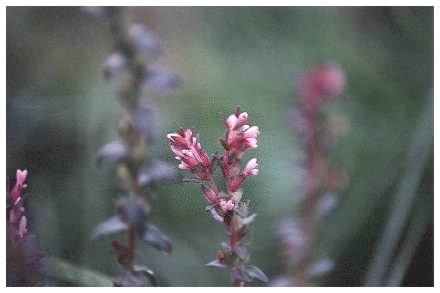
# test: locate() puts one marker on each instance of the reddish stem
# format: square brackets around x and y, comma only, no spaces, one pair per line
[131,245]
[237,283]
[313,165]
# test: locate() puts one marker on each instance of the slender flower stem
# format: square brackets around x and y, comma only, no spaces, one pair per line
[131,246]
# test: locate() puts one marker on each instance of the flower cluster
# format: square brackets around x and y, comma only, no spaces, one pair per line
[26,262]
[17,217]
[321,178]
[190,152]
[226,206]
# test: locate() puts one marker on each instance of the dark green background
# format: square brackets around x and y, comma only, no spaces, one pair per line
[60,111]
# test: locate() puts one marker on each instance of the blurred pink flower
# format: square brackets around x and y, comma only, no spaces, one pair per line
[319,83]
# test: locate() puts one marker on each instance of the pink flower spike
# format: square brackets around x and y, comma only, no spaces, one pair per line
[251,168]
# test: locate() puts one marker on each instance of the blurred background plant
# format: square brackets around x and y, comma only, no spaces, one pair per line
[59,112]
[321,179]
[136,170]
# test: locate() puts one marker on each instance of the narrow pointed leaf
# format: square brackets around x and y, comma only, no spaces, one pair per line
[320,268]
[215,214]
[154,237]
[111,226]
[256,274]
[248,220]
[112,152]
[216,263]
[132,211]
[158,171]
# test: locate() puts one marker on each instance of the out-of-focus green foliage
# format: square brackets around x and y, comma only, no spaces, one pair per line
[60,111]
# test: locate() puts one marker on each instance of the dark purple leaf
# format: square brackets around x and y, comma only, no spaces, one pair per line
[161,80]
[154,237]
[242,252]
[131,210]
[216,263]
[108,227]
[113,65]
[26,263]
[139,277]
[144,119]
[256,274]
[157,171]
[112,152]
[241,275]
[145,42]
[319,268]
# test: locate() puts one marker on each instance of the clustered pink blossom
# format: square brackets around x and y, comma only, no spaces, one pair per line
[224,205]
[239,138]
[190,152]
[17,218]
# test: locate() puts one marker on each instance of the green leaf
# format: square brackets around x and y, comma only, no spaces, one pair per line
[59,269]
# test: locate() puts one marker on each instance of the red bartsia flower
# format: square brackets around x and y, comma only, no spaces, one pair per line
[239,136]
[225,206]
[189,151]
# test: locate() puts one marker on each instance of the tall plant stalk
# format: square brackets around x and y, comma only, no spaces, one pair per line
[129,68]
